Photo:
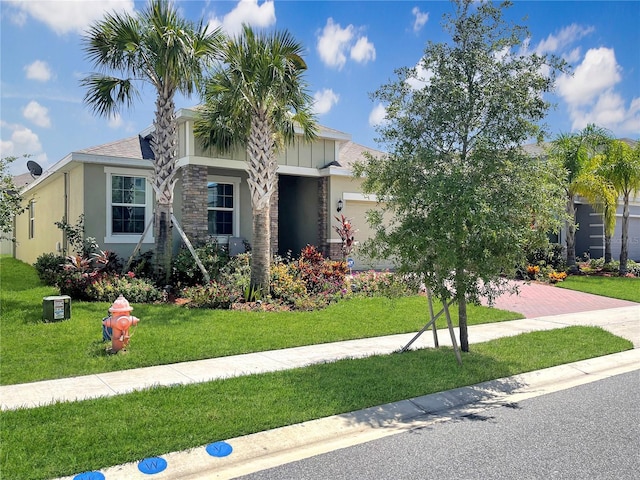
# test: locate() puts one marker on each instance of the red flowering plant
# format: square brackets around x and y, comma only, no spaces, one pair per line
[347,234]
[80,271]
[320,275]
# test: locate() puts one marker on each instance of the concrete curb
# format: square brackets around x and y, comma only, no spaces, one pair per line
[267,449]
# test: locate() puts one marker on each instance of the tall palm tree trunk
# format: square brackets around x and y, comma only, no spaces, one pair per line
[262,181]
[164,146]
[261,249]
[624,248]
[607,249]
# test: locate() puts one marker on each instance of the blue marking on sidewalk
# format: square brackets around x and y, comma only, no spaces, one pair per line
[152,465]
[219,449]
[89,476]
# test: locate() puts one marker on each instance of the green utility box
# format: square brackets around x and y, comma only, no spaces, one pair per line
[56,308]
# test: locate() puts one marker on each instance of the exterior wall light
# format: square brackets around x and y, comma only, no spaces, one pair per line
[340,205]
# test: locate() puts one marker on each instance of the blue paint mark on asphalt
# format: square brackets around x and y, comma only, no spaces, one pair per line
[219,449]
[89,476]
[152,465]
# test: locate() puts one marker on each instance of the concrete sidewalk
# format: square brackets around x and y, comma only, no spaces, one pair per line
[624,321]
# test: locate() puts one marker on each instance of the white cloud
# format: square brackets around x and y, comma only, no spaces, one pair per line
[363,51]
[21,141]
[115,121]
[573,56]
[422,77]
[598,72]
[324,100]
[246,11]
[37,114]
[38,70]
[378,115]
[591,96]
[564,38]
[334,42]
[609,111]
[420,19]
[65,16]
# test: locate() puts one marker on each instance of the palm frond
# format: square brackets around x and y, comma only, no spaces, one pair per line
[106,94]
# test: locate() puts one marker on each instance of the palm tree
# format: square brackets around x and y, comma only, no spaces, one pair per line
[574,151]
[255,99]
[623,171]
[159,47]
[593,185]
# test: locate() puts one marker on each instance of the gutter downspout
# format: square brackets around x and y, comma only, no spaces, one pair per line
[65,240]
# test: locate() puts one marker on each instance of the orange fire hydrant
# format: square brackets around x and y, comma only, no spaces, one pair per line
[120,321]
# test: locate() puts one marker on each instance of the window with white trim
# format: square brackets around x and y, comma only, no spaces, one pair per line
[32,218]
[222,207]
[129,205]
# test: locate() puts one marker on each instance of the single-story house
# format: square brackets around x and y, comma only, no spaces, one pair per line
[110,185]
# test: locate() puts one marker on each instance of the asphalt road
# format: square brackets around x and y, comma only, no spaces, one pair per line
[588,432]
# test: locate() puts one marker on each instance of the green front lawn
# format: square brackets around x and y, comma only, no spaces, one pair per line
[32,350]
[614,287]
[69,438]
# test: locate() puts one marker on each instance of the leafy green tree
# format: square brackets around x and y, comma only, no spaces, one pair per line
[465,197]
[10,200]
[159,47]
[575,151]
[622,169]
[255,99]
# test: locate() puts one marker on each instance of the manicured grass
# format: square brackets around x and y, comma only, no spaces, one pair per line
[613,287]
[69,438]
[32,350]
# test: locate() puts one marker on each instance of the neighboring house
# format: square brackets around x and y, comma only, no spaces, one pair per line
[109,184]
[20,181]
[590,231]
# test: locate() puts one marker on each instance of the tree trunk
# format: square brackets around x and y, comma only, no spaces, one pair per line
[607,249]
[624,248]
[462,323]
[571,234]
[261,249]
[262,166]
[164,144]
[163,231]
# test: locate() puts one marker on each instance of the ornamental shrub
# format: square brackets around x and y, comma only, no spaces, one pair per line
[137,290]
[185,271]
[49,267]
[381,284]
[236,274]
[320,275]
[286,283]
[213,295]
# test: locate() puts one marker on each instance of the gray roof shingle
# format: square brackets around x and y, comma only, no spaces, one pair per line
[132,147]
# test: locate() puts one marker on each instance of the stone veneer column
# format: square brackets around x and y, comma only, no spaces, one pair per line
[273,214]
[194,202]
[323,191]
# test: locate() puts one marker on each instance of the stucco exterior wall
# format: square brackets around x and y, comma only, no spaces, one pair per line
[355,207]
[50,198]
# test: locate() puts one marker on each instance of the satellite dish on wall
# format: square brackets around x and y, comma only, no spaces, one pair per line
[34,169]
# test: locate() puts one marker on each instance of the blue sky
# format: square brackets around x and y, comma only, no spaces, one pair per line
[352,48]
